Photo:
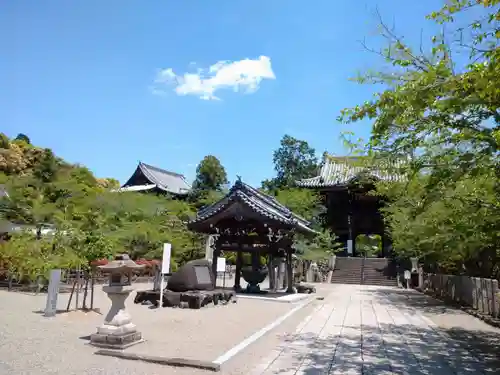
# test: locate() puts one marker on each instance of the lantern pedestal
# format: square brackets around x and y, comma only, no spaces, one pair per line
[117,331]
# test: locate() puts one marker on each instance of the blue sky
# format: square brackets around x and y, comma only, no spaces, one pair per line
[79,77]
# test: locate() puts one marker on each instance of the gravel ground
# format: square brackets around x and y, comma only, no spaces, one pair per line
[32,344]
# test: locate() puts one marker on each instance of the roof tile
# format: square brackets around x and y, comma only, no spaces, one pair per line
[257,201]
[342,170]
[167,181]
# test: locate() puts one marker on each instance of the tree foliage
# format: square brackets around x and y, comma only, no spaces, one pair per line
[439,122]
[23,138]
[72,218]
[210,182]
[293,160]
[210,175]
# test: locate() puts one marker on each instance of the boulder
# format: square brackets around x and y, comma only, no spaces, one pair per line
[194,275]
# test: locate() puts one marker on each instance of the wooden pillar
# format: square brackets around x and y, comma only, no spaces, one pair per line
[386,246]
[237,274]
[289,271]
[270,268]
[215,255]
[255,258]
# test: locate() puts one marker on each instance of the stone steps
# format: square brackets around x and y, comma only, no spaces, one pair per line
[369,271]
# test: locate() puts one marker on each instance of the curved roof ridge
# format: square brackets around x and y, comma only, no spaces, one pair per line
[258,202]
[268,198]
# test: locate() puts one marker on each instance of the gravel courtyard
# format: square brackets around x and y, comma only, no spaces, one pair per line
[33,344]
[355,329]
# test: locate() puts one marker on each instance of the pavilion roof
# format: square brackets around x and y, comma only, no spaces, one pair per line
[342,170]
[248,202]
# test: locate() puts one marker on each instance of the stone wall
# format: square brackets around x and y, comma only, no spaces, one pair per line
[480,294]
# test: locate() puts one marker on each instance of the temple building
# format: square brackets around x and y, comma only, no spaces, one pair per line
[344,185]
[148,178]
[248,221]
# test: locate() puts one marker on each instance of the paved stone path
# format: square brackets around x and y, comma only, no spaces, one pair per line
[372,330]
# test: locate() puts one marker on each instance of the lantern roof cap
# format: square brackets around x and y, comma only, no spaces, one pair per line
[121,263]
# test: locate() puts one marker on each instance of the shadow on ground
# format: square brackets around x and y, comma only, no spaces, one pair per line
[409,300]
[402,349]
[399,348]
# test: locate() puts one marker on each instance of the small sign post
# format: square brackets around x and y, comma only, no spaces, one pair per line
[349,247]
[221,267]
[165,268]
[53,292]
[407,276]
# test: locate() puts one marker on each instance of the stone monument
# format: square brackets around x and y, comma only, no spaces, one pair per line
[194,275]
[192,286]
[118,331]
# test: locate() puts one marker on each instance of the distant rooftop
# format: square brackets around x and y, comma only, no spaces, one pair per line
[148,177]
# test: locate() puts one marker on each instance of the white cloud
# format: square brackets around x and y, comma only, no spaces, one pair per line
[240,76]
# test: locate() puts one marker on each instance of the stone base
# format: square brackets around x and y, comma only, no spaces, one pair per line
[253,289]
[119,342]
[195,299]
[305,288]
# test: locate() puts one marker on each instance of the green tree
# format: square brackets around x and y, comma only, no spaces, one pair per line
[4,141]
[23,138]
[46,168]
[293,160]
[26,204]
[308,204]
[441,119]
[210,174]
[210,177]
[304,202]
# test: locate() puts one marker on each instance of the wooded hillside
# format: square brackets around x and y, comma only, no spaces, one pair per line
[91,222]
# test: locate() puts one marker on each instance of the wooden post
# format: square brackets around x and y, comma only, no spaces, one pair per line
[85,292]
[71,295]
[92,284]
[289,272]
[77,297]
[215,256]
[237,274]
[270,267]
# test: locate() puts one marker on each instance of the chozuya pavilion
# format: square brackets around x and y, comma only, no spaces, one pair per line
[249,221]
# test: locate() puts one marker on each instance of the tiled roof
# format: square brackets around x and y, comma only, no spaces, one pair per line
[256,201]
[342,170]
[167,181]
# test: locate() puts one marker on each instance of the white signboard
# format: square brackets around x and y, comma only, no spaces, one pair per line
[407,275]
[165,262]
[221,264]
[53,291]
[165,268]
[349,246]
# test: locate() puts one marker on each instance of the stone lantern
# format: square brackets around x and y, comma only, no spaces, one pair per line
[118,331]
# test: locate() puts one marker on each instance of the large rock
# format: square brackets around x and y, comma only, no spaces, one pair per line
[194,275]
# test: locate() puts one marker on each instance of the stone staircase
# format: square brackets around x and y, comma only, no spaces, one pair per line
[348,271]
[363,271]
